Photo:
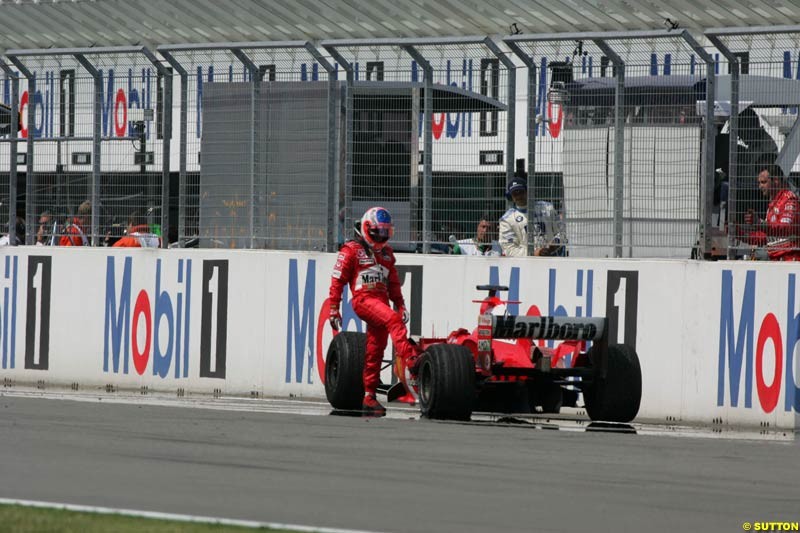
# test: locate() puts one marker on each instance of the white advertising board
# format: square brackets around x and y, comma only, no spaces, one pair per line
[717,341]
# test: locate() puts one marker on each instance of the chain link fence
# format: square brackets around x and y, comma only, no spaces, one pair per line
[427,136]
[89,143]
[283,145]
[256,158]
[759,140]
[619,131]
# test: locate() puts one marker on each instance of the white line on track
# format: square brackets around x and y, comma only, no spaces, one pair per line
[176,517]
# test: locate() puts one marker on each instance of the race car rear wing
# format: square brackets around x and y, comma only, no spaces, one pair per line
[570,329]
[549,327]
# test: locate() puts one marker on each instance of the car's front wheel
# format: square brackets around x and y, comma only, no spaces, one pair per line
[344,369]
[446,378]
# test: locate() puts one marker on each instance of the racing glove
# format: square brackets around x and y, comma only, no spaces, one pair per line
[404,313]
[335,318]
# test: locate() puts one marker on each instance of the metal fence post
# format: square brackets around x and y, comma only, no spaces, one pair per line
[707,184]
[333,174]
[733,130]
[13,135]
[512,105]
[532,126]
[255,94]
[619,147]
[427,156]
[530,113]
[96,152]
[182,139]
[166,124]
[348,161]
[30,180]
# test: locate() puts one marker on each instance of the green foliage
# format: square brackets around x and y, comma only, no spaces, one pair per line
[22,519]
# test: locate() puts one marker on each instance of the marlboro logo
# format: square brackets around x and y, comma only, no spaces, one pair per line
[548,327]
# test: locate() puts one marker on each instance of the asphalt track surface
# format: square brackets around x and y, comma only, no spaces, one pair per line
[292,462]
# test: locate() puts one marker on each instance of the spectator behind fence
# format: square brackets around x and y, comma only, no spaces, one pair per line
[47,231]
[779,230]
[18,236]
[547,227]
[759,151]
[75,230]
[514,224]
[481,244]
[138,234]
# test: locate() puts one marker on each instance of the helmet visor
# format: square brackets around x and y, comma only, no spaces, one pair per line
[380,234]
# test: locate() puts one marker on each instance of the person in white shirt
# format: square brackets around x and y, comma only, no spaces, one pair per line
[547,234]
[481,244]
[514,222]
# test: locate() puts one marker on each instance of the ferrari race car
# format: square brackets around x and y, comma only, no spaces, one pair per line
[498,367]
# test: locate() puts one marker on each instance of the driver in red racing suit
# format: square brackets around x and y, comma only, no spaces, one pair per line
[779,231]
[367,265]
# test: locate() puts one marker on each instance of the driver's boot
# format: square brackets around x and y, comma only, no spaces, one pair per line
[371,406]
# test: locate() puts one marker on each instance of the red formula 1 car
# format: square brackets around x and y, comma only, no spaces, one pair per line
[498,367]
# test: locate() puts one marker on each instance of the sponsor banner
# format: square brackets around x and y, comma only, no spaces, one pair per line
[717,341]
[547,327]
[129,319]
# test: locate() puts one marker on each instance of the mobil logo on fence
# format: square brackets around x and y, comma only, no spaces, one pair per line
[760,335]
[153,322]
[59,94]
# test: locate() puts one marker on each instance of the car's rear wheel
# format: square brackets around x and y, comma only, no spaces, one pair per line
[617,397]
[446,379]
[344,369]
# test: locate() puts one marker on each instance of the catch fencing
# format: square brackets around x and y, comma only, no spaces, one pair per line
[634,144]
[630,134]
[760,94]
[91,156]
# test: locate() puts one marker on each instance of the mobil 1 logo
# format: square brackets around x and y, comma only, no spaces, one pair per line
[622,303]
[414,274]
[37,321]
[214,327]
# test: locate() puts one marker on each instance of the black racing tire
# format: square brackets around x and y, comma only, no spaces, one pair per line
[545,394]
[344,370]
[446,380]
[617,397]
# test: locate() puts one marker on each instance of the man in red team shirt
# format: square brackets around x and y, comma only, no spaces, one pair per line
[367,265]
[138,234]
[75,230]
[779,231]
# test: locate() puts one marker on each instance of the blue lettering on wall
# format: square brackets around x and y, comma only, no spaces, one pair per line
[738,347]
[9,309]
[120,318]
[513,286]
[792,397]
[117,320]
[300,333]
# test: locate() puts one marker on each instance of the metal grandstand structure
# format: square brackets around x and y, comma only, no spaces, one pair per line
[232,133]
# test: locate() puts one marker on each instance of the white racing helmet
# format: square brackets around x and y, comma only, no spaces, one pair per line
[376,227]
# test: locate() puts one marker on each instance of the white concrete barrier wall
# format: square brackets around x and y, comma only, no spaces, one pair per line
[717,341]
